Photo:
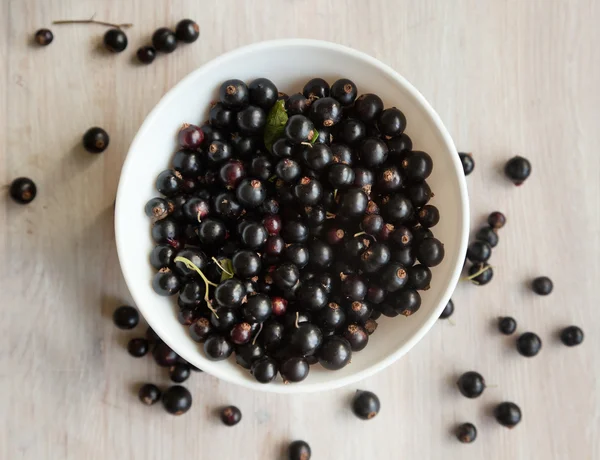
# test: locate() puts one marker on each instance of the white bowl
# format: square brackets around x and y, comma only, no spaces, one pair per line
[289,64]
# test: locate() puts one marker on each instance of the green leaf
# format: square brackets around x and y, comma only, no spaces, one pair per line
[315,137]
[227,267]
[276,121]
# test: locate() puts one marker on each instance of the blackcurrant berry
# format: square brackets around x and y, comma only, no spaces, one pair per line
[95,140]
[571,336]
[471,384]
[164,40]
[529,344]
[542,285]
[177,400]
[115,40]
[517,169]
[23,190]
[263,93]
[507,414]
[146,54]
[344,91]
[44,37]
[187,31]
[126,317]
[365,405]
[507,325]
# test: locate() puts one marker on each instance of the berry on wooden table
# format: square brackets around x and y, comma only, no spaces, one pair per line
[23,190]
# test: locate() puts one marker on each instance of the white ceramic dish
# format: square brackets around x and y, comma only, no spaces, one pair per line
[289,64]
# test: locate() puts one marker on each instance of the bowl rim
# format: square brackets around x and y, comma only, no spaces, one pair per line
[304,387]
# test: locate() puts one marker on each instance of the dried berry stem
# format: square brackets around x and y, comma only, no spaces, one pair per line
[221,266]
[92,21]
[476,274]
[257,334]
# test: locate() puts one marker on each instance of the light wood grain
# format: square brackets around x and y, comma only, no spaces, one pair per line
[507,77]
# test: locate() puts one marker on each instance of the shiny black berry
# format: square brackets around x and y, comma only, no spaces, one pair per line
[399,145]
[264,369]
[397,208]
[231,415]
[187,31]
[356,336]
[297,104]
[95,140]
[391,122]
[165,282]
[149,394]
[251,120]
[373,152]
[137,347]
[430,252]
[115,40]
[263,93]
[146,54]
[44,37]
[496,220]
[488,235]
[234,94]
[507,414]
[448,310]
[471,384]
[325,112]
[368,107]
[246,264]
[217,348]
[288,170]
[164,40]
[247,354]
[251,193]
[529,344]
[299,450]
[466,433]
[571,336]
[286,276]
[419,193]
[507,325]
[316,88]
[335,353]
[352,203]
[365,405]
[201,330]
[344,91]
[299,129]
[395,276]
[23,190]
[517,169]
[479,252]
[179,373]
[294,369]
[169,183]
[417,165]
[177,400]
[468,164]
[163,355]
[126,317]
[211,231]
[542,285]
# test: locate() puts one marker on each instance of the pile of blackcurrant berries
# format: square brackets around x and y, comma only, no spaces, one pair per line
[480,250]
[288,224]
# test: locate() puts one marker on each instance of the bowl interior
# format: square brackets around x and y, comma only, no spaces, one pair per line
[289,64]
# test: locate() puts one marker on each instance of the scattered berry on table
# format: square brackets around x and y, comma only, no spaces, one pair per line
[529,344]
[95,140]
[299,450]
[479,252]
[507,325]
[149,394]
[507,414]
[23,190]
[146,54]
[177,400]
[571,336]
[164,40]
[471,384]
[44,37]
[138,347]
[487,235]
[115,40]
[480,274]
[365,405]
[231,415]
[164,355]
[179,373]
[466,433]
[542,285]
[496,220]
[467,161]
[517,169]
[126,317]
[187,31]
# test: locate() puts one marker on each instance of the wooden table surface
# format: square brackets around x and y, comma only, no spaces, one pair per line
[507,77]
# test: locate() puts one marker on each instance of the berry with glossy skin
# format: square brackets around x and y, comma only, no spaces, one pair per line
[507,325]
[486,273]
[529,344]
[246,355]
[115,40]
[419,193]
[196,256]
[241,333]
[288,170]
[542,285]
[373,152]
[375,294]
[496,220]
[126,317]
[165,231]
[471,384]
[251,120]
[297,104]
[392,122]
[468,164]
[406,302]
[44,37]
[230,293]
[306,339]
[299,129]
[271,335]
[257,309]
[294,232]
[340,176]
[399,145]
[263,93]
[320,254]
[430,252]
[177,400]
[479,252]
[335,353]
[296,254]
[264,369]
[286,276]
[316,88]
[234,94]
[187,31]
[254,235]
[219,151]
[331,317]
[201,330]
[571,336]
[375,257]
[164,40]
[224,318]
[352,203]
[137,347]
[95,140]
[191,136]
[165,282]
[149,394]
[365,405]
[231,415]
[162,256]
[397,208]
[344,91]
[163,355]
[217,348]
[299,450]
[507,414]
[358,311]
[312,296]
[428,216]
[246,264]
[282,148]
[353,287]
[294,369]
[448,310]
[488,235]
[146,54]
[368,107]
[179,373]
[389,179]
[356,336]
[251,193]
[417,166]
[317,157]
[231,173]
[466,433]
[222,117]
[394,277]
[325,112]
[211,231]
[169,183]
[517,169]
[23,190]
[419,277]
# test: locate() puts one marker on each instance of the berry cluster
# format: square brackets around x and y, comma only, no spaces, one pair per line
[480,250]
[287,225]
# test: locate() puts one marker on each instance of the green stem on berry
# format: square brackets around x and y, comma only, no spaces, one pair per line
[221,266]
[476,274]
[189,264]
